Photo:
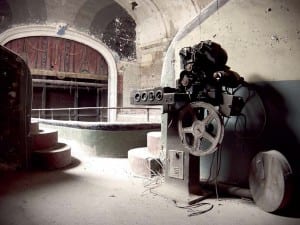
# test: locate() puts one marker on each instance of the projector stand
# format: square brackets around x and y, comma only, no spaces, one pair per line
[182,179]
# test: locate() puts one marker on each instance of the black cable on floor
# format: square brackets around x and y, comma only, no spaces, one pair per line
[194,210]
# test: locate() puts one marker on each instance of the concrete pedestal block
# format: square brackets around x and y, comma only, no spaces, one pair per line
[154,143]
[143,163]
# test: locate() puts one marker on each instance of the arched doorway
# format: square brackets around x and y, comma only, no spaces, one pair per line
[66,70]
[81,38]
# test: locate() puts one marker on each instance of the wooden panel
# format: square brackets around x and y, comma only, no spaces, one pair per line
[58,55]
[30,50]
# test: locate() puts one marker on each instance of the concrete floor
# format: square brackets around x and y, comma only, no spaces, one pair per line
[103,191]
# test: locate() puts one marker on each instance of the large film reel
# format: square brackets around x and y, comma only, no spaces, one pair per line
[200,128]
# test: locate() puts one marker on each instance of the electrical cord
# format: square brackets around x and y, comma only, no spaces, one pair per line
[217,170]
[251,94]
[158,179]
[245,120]
[218,166]
[219,159]
[194,210]
[152,183]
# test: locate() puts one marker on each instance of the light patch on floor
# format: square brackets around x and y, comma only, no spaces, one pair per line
[95,191]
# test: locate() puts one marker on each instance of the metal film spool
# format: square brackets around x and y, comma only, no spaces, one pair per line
[270,180]
[200,128]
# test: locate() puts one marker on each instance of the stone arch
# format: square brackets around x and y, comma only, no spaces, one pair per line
[72,34]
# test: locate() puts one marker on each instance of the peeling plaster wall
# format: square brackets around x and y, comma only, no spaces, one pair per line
[158,20]
[151,63]
[262,38]
[131,79]
[178,13]
[62,10]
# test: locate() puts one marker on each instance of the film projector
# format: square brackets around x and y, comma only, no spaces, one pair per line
[192,119]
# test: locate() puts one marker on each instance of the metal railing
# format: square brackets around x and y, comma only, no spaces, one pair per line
[95,114]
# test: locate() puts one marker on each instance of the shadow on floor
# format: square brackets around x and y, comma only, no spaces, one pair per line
[292,210]
[20,181]
[74,163]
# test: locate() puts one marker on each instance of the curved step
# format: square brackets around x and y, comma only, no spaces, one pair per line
[44,139]
[154,143]
[55,157]
[143,163]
